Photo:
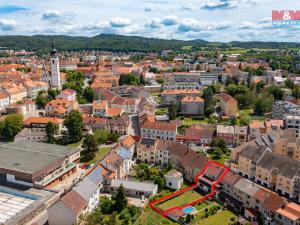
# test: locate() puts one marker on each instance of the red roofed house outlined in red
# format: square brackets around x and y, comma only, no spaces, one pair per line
[176,193]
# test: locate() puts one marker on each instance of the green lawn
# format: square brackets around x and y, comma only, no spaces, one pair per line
[179,200]
[217,219]
[100,154]
[150,217]
[189,121]
[222,160]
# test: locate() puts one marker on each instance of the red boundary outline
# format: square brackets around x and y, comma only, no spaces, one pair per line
[210,195]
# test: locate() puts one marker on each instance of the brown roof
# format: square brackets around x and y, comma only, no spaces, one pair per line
[128,141]
[180,91]
[74,201]
[291,211]
[231,178]
[227,98]
[159,126]
[114,112]
[42,120]
[273,202]
[192,99]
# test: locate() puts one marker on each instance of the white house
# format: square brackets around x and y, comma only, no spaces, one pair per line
[68,210]
[174,179]
[4,100]
[67,94]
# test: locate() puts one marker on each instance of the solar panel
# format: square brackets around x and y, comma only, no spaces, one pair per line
[95,176]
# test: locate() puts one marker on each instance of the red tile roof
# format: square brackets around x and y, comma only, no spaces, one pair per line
[74,201]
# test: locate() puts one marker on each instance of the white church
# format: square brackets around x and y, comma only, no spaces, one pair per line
[53,76]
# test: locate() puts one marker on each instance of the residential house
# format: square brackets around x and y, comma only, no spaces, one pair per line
[34,87]
[174,179]
[169,97]
[192,105]
[68,210]
[227,133]
[67,94]
[4,100]
[161,130]
[279,173]
[288,215]
[129,105]
[241,135]
[60,107]
[256,129]
[134,188]
[228,105]
[287,144]
[200,134]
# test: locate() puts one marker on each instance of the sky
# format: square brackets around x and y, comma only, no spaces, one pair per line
[211,20]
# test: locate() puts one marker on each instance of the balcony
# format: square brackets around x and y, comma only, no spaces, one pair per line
[55,175]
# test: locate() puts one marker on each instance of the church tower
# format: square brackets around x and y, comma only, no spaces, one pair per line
[54,68]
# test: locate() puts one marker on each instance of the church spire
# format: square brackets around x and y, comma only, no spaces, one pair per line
[53,50]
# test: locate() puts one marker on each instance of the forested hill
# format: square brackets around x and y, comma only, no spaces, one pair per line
[122,43]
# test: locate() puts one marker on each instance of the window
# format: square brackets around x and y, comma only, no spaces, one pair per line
[27,180]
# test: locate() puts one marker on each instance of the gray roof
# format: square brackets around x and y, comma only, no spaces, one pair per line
[86,188]
[286,166]
[253,152]
[247,186]
[31,157]
[134,185]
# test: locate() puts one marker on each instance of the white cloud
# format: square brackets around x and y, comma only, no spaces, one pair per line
[189,25]
[188,6]
[119,22]
[55,16]
[8,25]
[154,23]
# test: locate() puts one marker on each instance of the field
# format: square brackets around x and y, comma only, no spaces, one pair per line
[189,121]
[223,217]
[180,200]
[149,217]
[100,154]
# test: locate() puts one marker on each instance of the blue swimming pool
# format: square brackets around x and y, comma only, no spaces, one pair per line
[189,209]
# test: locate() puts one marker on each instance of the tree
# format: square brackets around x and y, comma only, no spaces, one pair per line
[41,99]
[245,120]
[101,136]
[51,130]
[89,94]
[296,91]
[158,180]
[90,147]
[74,125]
[106,205]
[120,199]
[143,171]
[276,91]
[263,104]
[11,125]
[289,83]
[52,93]
[172,112]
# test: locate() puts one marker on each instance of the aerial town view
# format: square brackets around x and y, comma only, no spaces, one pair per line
[150,112]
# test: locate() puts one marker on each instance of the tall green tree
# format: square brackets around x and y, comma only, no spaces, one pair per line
[89,94]
[90,148]
[120,199]
[51,130]
[172,112]
[74,125]
[11,125]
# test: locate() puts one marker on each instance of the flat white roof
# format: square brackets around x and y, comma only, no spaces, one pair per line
[10,205]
